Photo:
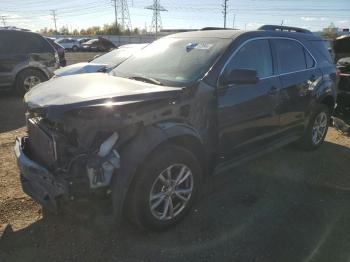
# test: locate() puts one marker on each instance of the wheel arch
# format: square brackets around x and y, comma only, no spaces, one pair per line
[135,154]
[30,68]
[329,101]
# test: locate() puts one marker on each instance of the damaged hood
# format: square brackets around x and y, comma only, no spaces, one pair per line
[80,68]
[94,88]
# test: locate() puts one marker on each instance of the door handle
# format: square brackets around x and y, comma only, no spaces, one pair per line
[273,91]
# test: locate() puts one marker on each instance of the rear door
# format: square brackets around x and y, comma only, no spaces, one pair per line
[41,54]
[247,112]
[299,76]
[11,55]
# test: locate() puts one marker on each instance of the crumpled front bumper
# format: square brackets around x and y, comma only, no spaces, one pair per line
[37,181]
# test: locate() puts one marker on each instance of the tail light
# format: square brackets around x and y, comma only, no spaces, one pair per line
[338,72]
[57,58]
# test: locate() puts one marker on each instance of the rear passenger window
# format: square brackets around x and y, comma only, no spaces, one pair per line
[291,56]
[4,42]
[36,44]
[254,55]
[310,63]
[25,43]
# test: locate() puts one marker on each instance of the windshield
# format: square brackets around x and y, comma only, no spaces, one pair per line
[115,57]
[175,61]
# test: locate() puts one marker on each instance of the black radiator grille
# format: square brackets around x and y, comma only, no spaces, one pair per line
[41,144]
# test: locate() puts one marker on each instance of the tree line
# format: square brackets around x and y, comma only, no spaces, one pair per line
[107,29]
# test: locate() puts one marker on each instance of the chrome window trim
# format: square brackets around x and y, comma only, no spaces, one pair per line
[268,38]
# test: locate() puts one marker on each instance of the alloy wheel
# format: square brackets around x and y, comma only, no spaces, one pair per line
[30,81]
[171,191]
[319,128]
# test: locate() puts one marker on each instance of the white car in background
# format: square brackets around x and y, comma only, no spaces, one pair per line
[69,43]
[102,64]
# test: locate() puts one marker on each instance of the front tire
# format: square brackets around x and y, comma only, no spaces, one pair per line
[317,128]
[75,48]
[164,191]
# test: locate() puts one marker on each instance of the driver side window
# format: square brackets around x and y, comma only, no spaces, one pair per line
[255,55]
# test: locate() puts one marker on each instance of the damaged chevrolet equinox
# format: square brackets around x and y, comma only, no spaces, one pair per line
[187,106]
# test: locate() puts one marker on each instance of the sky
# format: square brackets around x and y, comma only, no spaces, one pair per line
[249,14]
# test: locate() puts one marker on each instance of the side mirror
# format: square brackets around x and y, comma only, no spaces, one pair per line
[241,77]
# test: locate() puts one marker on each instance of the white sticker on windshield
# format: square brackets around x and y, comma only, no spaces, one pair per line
[198,46]
[203,46]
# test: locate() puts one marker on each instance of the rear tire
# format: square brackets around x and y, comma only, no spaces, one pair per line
[156,200]
[317,128]
[27,79]
[75,48]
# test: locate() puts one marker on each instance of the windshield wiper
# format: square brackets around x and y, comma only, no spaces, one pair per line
[146,79]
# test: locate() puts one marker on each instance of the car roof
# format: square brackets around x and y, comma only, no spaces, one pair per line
[19,31]
[231,34]
[225,33]
[139,45]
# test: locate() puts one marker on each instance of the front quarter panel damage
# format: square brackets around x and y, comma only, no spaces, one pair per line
[142,123]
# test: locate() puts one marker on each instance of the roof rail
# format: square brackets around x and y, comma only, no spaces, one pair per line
[13,28]
[213,28]
[284,29]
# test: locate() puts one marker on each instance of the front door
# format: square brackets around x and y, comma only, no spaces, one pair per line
[247,116]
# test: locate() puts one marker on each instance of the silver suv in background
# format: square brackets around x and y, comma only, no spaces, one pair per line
[69,44]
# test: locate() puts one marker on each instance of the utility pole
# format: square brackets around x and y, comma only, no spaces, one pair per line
[233,22]
[156,19]
[115,12]
[225,12]
[54,18]
[282,22]
[3,18]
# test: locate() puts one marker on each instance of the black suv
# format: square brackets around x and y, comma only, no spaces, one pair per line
[187,106]
[26,59]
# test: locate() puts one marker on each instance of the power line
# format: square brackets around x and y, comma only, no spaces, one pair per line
[54,18]
[156,18]
[225,12]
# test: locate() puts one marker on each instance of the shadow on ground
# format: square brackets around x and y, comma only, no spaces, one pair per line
[282,207]
[11,112]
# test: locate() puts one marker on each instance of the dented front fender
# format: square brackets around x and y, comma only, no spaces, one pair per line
[135,153]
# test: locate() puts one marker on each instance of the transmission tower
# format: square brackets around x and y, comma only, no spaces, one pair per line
[114,2]
[156,19]
[54,18]
[121,12]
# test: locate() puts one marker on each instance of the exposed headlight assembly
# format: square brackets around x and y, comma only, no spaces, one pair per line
[100,169]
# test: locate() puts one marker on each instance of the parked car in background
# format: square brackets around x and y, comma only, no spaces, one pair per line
[104,63]
[59,49]
[69,44]
[343,65]
[152,130]
[98,45]
[341,47]
[83,40]
[26,59]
